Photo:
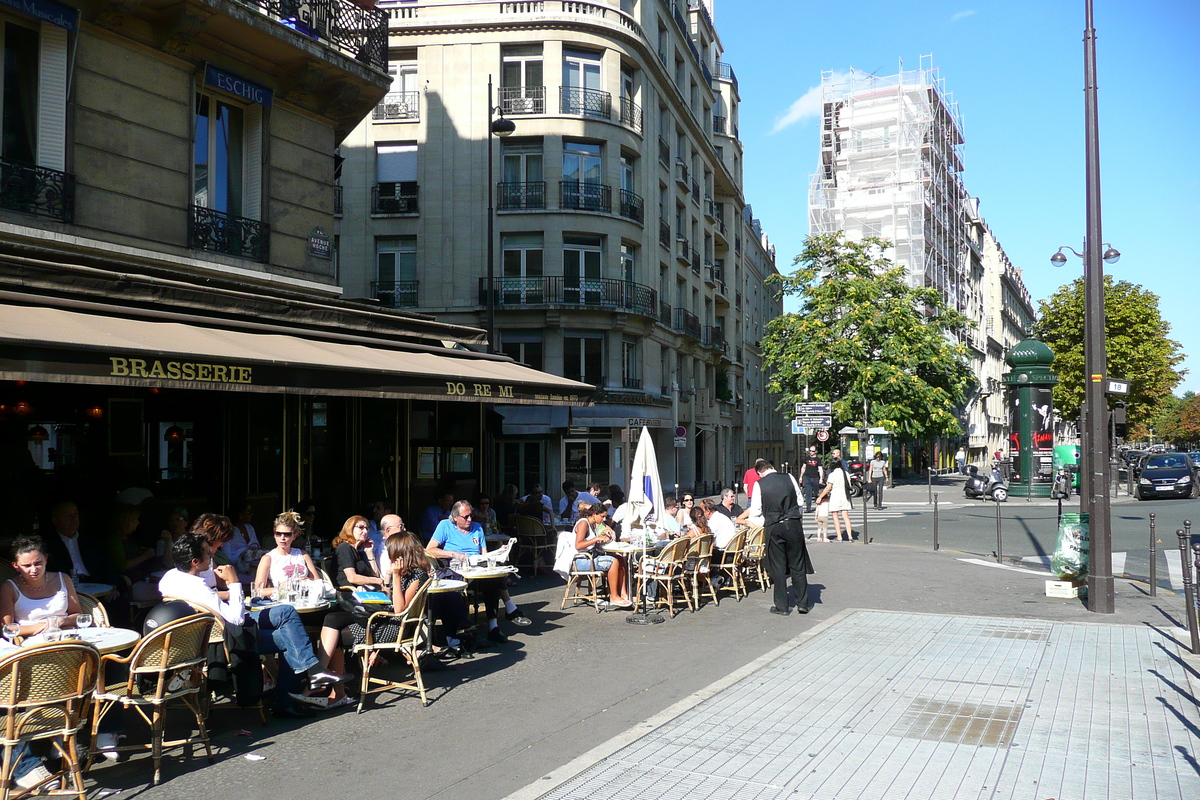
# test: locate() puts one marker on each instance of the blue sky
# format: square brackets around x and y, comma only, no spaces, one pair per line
[1016,69]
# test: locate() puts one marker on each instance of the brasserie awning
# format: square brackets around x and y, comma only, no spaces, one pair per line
[42,343]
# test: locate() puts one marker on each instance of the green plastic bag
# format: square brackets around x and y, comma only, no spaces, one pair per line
[1072,551]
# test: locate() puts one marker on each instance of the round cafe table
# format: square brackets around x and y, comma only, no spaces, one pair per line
[101,591]
[106,640]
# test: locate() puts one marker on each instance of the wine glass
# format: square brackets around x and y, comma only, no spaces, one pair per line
[83,621]
[11,631]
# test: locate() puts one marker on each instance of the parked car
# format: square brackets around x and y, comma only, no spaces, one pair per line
[1168,475]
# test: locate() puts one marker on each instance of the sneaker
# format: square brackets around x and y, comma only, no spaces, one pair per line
[496,635]
[35,776]
[518,618]
[107,743]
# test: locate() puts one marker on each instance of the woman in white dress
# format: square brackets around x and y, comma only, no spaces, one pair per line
[837,490]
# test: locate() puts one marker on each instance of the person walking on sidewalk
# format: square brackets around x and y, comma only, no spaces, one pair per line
[879,476]
[811,474]
[837,491]
[777,499]
[960,461]
[751,478]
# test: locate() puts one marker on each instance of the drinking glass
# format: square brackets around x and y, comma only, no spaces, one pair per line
[11,631]
[83,621]
[53,625]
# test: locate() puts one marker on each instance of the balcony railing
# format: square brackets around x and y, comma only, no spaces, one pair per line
[40,191]
[682,251]
[687,323]
[664,152]
[584,196]
[359,33]
[681,174]
[695,191]
[664,313]
[218,232]
[628,382]
[631,115]
[395,294]
[555,291]
[394,198]
[710,208]
[522,99]
[714,337]
[695,261]
[338,203]
[399,105]
[725,72]
[664,234]
[632,206]
[718,124]
[511,196]
[586,102]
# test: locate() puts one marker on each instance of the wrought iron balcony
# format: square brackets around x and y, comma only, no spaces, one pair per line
[605,294]
[631,114]
[585,196]
[632,206]
[395,198]
[725,72]
[586,102]
[664,313]
[682,250]
[664,233]
[512,196]
[399,105]
[218,232]
[395,294]
[718,124]
[695,191]
[628,382]
[714,337]
[664,152]
[338,203]
[695,261]
[522,99]
[357,32]
[39,191]
[710,208]
[681,174]
[687,323]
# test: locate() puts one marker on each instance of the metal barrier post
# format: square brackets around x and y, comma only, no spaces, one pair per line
[930,476]
[999,539]
[1189,585]
[1153,560]
[935,522]
[866,538]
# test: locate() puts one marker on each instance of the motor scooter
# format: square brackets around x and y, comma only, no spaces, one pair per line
[854,470]
[1061,489]
[992,488]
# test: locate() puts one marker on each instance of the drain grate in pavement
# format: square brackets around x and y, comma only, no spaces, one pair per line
[959,723]
[1009,633]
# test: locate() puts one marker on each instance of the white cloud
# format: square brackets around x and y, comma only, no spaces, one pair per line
[961,15]
[808,105]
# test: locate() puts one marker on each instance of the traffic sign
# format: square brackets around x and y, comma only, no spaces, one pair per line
[681,436]
[1117,386]
[798,429]
[821,409]
[822,436]
[813,421]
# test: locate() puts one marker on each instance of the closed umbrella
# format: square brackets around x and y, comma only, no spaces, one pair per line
[646,496]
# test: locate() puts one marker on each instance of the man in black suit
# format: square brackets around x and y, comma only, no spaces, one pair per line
[65,550]
[778,501]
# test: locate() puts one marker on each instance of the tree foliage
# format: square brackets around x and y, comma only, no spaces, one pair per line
[1137,345]
[862,333]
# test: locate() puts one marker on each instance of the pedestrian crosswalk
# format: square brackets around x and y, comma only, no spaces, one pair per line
[875,514]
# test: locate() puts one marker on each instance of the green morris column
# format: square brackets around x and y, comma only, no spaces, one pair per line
[1030,384]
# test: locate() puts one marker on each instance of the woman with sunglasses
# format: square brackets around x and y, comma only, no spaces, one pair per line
[684,517]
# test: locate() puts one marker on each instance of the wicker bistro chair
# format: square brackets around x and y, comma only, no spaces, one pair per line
[45,691]
[730,564]
[217,638]
[752,557]
[667,570]
[412,643]
[699,564]
[168,664]
[91,605]
[591,577]
[534,541]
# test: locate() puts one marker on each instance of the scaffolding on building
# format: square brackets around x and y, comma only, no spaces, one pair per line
[890,166]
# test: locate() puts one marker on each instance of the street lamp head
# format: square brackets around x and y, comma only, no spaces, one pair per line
[503,126]
[1058,259]
[1111,255]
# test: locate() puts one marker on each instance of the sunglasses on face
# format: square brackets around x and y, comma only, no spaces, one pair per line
[285,533]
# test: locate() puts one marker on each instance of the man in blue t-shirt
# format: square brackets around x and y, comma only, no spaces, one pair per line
[461,534]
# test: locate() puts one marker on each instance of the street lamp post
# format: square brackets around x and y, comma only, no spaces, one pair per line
[1095,435]
[496,127]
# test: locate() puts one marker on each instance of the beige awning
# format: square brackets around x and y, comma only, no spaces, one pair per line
[55,344]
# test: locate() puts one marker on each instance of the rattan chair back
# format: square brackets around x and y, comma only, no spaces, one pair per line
[411,643]
[45,689]
[171,650]
[91,605]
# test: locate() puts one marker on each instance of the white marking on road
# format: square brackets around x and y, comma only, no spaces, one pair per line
[983,563]
[1174,568]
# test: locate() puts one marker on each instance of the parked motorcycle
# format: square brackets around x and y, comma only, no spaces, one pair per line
[991,488]
[854,470]
[1061,489]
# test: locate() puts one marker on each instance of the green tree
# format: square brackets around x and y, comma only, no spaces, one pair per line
[1137,343]
[862,333]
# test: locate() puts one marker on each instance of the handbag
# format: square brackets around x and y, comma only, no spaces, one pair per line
[353,605]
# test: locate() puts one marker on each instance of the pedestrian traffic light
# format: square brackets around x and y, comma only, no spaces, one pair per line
[1120,426]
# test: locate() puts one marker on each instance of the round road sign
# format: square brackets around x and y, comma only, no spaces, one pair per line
[681,431]
[822,436]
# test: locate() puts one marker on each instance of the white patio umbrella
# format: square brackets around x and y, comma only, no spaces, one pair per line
[645,487]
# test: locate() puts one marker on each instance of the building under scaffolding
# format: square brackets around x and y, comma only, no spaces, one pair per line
[891,166]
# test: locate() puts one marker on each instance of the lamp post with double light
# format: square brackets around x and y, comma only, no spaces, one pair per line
[497,126]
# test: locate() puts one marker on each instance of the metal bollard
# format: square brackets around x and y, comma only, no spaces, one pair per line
[1153,560]
[930,484]
[999,539]
[866,539]
[1189,587]
[935,523]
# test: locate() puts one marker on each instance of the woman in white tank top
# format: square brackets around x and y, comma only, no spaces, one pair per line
[35,595]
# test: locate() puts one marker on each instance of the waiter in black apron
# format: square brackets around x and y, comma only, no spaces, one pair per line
[777,499]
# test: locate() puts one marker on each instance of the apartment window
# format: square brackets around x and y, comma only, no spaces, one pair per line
[396,271]
[662,43]
[522,269]
[581,85]
[679,72]
[522,85]
[583,357]
[631,365]
[582,185]
[219,162]
[523,346]
[403,100]
[396,179]
[33,103]
[628,262]
[523,184]
[664,370]
[582,260]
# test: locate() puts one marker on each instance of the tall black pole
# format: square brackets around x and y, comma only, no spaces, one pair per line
[1100,577]
[491,233]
